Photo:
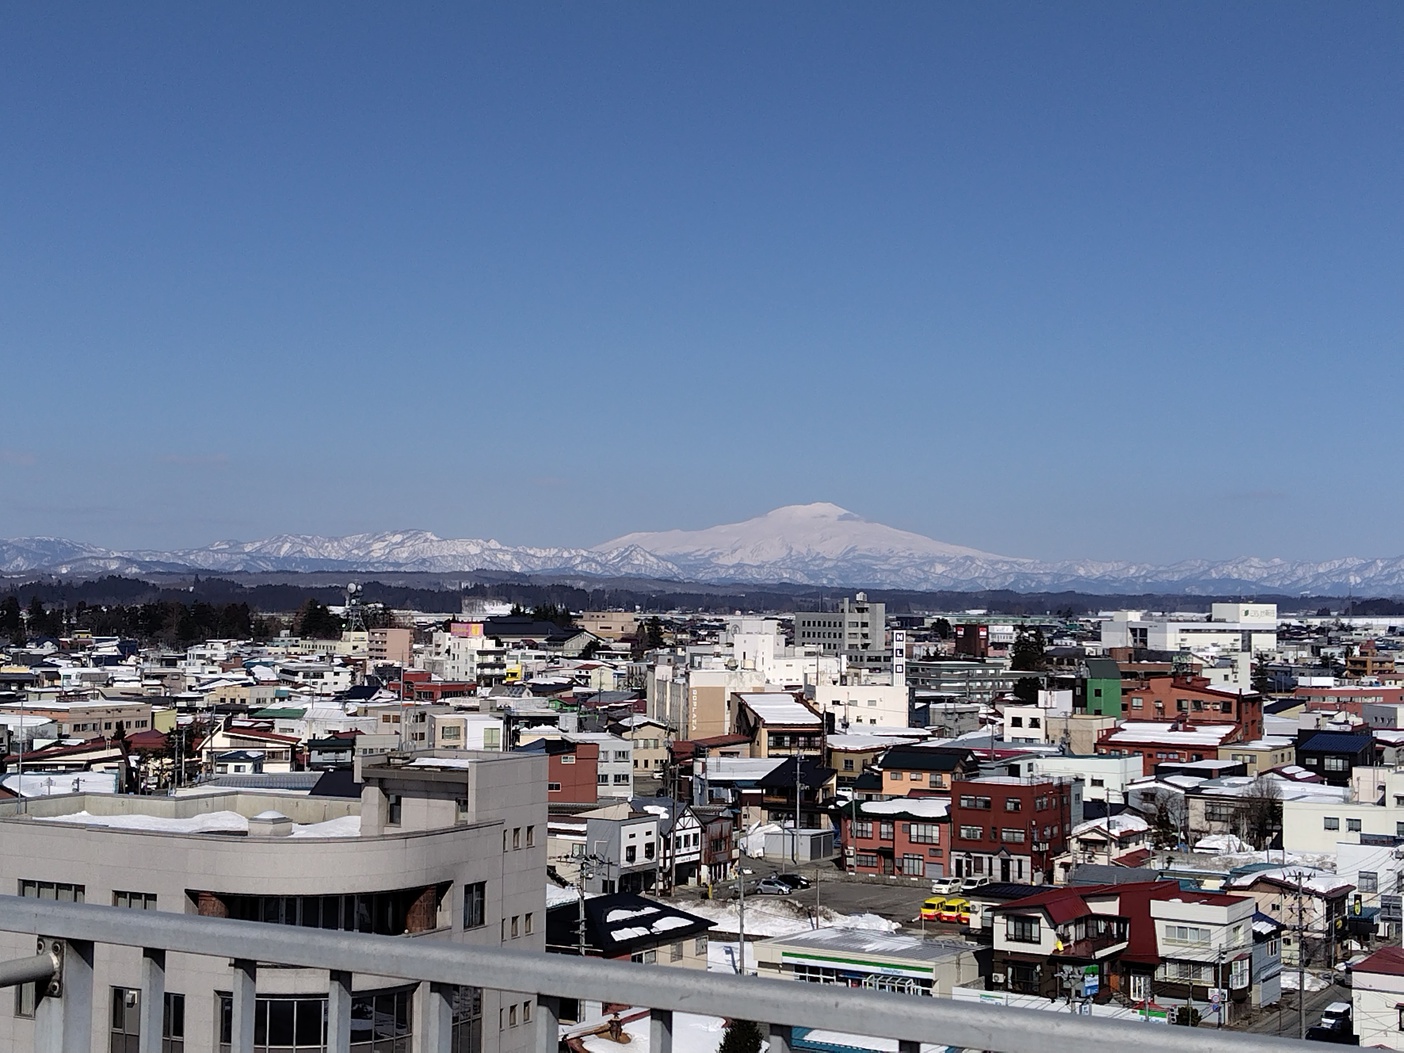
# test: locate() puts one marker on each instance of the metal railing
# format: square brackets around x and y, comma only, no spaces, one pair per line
[63,1020]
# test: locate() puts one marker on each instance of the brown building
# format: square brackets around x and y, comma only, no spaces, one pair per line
[571,770]
[1190,699]
[1011,829]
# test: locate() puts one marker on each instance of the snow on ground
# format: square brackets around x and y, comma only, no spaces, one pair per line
[781,916]
[691,1033]
[1313,983]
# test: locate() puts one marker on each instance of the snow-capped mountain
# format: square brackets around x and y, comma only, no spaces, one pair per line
[816,544]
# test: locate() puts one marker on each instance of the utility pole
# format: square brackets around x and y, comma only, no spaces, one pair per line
[741,920]
[1301,964]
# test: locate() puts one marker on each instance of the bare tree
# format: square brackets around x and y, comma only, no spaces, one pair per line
[1258,817]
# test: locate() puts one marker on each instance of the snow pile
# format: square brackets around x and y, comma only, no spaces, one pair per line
[1222,843]
[1313,983]
[210,823]
[345,826]
[779,916]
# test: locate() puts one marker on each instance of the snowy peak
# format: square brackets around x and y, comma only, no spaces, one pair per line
[821,531]
[817,544]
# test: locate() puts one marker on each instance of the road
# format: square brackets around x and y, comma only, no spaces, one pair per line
[1283,1021]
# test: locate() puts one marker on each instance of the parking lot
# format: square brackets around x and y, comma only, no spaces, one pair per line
[897,900]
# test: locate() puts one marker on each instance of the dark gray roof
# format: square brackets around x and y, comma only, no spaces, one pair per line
[1337,742]
[1101,874]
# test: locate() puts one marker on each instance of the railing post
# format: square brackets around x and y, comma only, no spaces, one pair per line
[242,1027]
[153,1000]
[660,1031]
[433,1016]
[548,1024]
[782,1038]
[339,1012]
[63,1019]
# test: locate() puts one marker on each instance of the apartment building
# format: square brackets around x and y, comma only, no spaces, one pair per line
[906,836]
[1012,829]
[436,848]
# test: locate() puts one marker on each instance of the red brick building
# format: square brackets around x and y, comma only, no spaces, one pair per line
[1011,829]
[909,837]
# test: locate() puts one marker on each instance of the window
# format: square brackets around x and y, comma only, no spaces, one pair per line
[1368,880]
[621,780]
[59,890]
[393,808]
[1185,934]
[553,787]
[914,865]
[914,776]
[886,831]
[463,811]
[675,952]
[516,926]
[865,861]
[1330,822]
[516,837]
[526,924]
[925,834]
[135,900]
[125,1030]
[173,1024]
[644,957]
[1011,836]
[863,828]
[631,854]
[602,779]
[699,945]
[1013,804]
[1238,974]
[620,756]
[1335,764]
[1353,825]
[848,764]
[567,758]
[1022,928]
[297,1024]
[474,899]
[648,850]
[971,833]
[530,836]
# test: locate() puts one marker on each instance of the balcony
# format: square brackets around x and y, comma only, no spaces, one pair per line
[67,933]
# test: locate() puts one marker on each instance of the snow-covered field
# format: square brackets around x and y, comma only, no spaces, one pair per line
[781,916]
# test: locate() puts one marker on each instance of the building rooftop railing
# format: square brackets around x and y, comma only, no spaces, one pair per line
[67,932]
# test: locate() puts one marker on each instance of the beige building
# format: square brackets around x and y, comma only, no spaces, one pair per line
[390,645]
[610,625]
[1260,755]
[438,849]
[94,720]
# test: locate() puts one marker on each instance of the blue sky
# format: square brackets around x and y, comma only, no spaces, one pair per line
[1098,280]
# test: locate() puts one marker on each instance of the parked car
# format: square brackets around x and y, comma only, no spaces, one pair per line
[931,908]
[945,886]
[954,910]
[769,886]
[795,881]
[971,883]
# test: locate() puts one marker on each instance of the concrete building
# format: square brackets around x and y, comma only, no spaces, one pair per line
[434,849]
[1377,993]
[1230,627]
[856,631]
[610,625]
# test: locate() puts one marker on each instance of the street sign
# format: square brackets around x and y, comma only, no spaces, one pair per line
[1091,980]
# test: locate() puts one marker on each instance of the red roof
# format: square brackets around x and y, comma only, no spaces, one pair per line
[1387,960]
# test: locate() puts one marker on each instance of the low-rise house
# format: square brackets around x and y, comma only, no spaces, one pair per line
[777,724]
[1334,755]
[609,849]
[1377,998]
[1302,896]
[1103,840]
[624,926]
[923,770]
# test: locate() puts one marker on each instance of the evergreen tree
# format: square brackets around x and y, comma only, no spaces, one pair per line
[1027,656]
[741,1036]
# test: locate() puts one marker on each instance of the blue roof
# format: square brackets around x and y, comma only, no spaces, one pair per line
[1337,742]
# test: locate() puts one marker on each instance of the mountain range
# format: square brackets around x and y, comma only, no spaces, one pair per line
[816,544]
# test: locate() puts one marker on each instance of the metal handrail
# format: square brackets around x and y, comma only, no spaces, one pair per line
[907,1018]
